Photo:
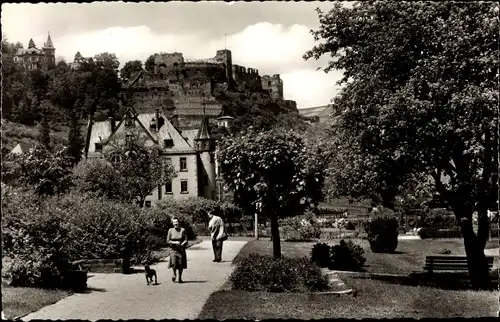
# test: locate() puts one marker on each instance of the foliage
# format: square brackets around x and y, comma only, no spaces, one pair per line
[150,63]
[45,172]
[141,168]
[107,60]
[265,273]
[346,256]
[258,110]
[75,139]
[130,68]
[276,170]
[440,219]
[99,177]
[320,254]
[383,234]
[412,72]
[35,241]
[300,229]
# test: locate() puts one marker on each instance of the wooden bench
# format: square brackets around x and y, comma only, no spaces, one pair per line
[450,263]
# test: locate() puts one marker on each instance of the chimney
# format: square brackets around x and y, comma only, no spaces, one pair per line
[157,119]
[111,124]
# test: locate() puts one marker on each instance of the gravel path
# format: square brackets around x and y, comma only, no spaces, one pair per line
[118,296]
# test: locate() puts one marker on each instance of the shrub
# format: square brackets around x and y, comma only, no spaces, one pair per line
[162,214]
[36,242]
[320,254]
[265,273]
[350,226]
[299,228]
[440,219]
[427,232]
[383,234]
[346,256]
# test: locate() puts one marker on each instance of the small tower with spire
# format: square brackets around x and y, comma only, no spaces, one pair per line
[205,145]
[50,52]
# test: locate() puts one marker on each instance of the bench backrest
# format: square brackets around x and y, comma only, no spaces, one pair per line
[452,261]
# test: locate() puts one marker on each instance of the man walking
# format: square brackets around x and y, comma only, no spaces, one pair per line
[218,234]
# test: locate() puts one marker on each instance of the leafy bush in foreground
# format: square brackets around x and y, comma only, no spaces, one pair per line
[265,273]
[346,256]
[320,254]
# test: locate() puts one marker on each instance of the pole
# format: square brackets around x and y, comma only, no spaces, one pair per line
[256,226]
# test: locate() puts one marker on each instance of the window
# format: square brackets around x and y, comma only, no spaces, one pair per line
[116,158]
[147,204]
[98,147]
[169,161]
[129,122]
[168,187]
[168,143]
[184,186]
[128,138]
[183,164]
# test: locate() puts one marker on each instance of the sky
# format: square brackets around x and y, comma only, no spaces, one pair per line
[269,36]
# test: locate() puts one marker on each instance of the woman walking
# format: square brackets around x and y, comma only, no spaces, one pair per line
[177,240]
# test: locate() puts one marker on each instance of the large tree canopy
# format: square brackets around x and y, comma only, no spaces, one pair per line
[276,172]
[420,101]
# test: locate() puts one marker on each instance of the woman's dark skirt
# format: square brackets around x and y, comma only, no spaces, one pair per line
[178,259]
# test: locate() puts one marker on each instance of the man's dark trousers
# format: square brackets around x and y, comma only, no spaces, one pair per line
[217,246]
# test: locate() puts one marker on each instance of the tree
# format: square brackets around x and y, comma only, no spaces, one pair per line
[107,60]
[45,107]
[276,171]
[130,68]
[141,168]
[44,172]
[98,176]
[258,110]
[149,65]
[75,139]
[419,102]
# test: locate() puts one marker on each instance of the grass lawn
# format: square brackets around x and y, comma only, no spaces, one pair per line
[410,254]
[23,300]
[375,298]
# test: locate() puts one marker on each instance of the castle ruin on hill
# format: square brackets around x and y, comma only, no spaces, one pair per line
[184,88]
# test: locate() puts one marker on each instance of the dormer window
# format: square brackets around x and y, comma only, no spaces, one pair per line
[98,147]
[129,122]
[128,138]
[168,143]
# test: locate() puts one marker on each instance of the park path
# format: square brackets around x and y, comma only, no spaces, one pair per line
[118,296]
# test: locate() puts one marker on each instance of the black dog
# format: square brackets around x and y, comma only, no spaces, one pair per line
[150,273]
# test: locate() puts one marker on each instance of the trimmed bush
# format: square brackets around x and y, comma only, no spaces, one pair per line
[346,256]
[320,254]
[440,219]
[383,234]
[265,273]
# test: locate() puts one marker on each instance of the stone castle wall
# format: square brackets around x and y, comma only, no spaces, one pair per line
[183,87]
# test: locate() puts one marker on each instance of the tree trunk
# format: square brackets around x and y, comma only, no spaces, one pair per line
[476,259]
[275,235]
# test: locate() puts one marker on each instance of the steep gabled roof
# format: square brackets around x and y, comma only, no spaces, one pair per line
[203,132]
[21,148]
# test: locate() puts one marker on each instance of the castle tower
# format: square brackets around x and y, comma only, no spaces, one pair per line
[205,146]
[225,57]
[50,52]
